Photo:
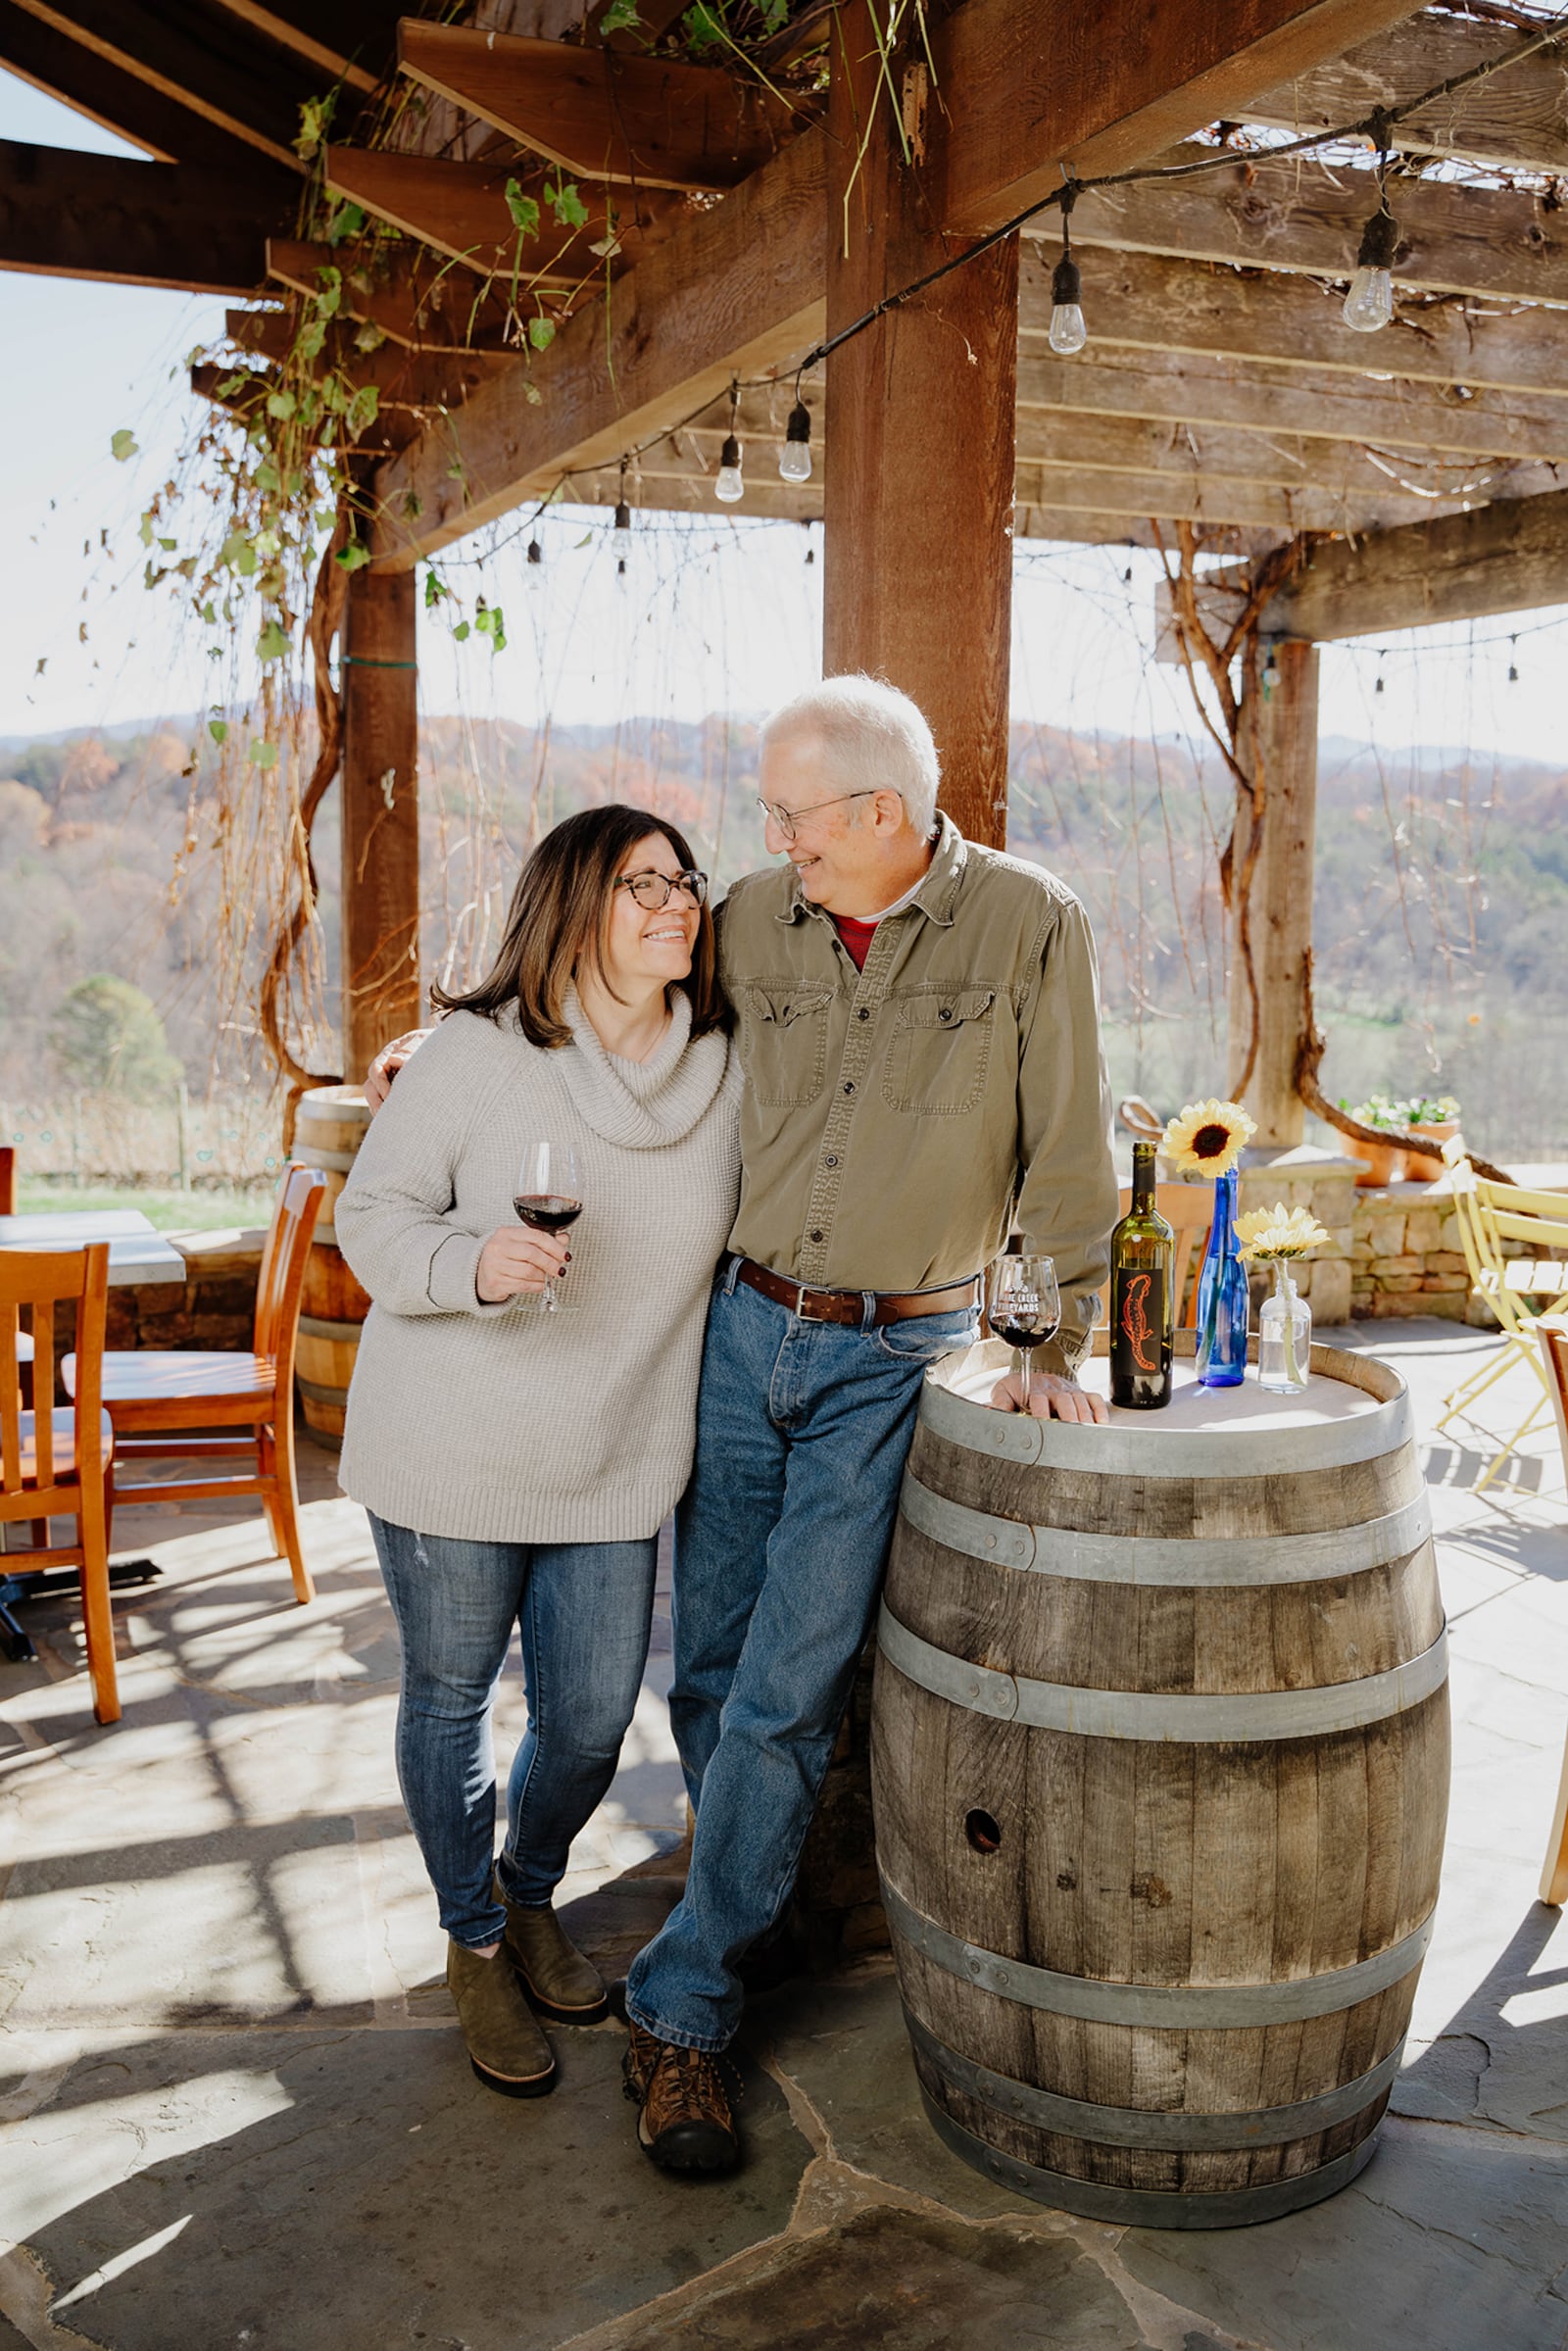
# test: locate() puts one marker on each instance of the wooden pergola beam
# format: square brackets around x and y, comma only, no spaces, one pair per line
[648,121]
[461,209]
[1500,559]
[1516,120]
[1412,419]
[217,67]
[353,41]
[1143,301]
[124,223]
[1100,89]
[424,303]
[735,290]
[243,390]
[403,378]
[92,85]
[1294,214]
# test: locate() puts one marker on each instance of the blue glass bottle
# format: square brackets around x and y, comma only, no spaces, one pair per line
[1223,1301]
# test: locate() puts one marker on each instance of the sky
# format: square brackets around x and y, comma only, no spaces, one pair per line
[710,615]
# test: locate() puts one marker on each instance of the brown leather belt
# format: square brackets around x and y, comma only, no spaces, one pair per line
[849,1306]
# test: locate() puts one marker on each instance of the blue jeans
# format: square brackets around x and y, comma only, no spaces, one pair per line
[583,1610]
[780,1541]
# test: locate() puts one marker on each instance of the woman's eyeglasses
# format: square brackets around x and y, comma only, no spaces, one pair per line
[653,890]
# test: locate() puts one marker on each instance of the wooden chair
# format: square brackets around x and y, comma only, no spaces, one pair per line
[57,1464]
[8,1179]
[1551,1336]
[156,1397]
[1488,1215]
[1189,1210]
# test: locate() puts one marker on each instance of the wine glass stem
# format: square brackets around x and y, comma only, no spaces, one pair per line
[549,1297]
[1026,1370]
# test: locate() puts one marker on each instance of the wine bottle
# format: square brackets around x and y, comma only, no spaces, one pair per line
[1142,1302]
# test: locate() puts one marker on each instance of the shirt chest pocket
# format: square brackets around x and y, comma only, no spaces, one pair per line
[940,1050]
[784,1037]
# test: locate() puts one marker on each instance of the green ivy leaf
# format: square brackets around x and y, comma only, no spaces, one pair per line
[541,333]
[245,560]
[316,115]
[354,558]
[281,405]
[346,222]
[145,533]
[263,754]
[218,728]
[619,17]
[310,339]
[230,385]
[268,476]
[169,545]
[208,613]
[532,394]
[362,410]
[525,210]
[703,27]
[435,588]
[775,15]
[459,632]
[564,201]
[328,290]
[123,444]
[271,644]
[369,337]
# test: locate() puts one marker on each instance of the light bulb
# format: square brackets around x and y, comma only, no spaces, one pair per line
[730,487]
[1068,332]
[795,458]
[1369,304]
[624,517]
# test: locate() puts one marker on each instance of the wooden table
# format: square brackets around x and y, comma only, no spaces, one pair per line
[137,1250]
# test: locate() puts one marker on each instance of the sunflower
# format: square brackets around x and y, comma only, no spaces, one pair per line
[1269,1234]
[1208,1138]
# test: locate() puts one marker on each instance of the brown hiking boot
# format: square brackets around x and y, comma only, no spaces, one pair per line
[685,2124]
[560,1983]
[505,2047]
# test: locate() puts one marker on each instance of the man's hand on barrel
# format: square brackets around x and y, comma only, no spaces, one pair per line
[388,1061]
[1050,1398]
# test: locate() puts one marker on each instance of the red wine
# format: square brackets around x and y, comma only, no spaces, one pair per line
[547,1212]
[1022,1334]
[1143,1296]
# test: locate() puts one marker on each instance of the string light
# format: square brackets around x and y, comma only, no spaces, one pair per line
[536,553]
[623,510]
[1378,682]
[795,458]
[730,487]
[1369,304]
[1513,667]
[1068,332]
[1271,672]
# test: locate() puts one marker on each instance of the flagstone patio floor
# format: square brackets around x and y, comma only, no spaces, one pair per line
[235,2109]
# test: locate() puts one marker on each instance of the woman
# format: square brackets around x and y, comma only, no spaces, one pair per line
[517,1462]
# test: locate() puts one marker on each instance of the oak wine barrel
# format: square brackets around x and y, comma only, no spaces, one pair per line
[333,1123]
[1160,1765]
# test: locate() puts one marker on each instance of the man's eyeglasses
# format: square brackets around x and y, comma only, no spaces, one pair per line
[786,820]
[653,890]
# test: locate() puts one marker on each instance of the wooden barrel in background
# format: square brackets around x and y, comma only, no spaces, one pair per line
[331,1125]
[1161,1762]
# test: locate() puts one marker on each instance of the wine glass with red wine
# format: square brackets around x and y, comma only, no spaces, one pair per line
[1024,1309]
[549,1195]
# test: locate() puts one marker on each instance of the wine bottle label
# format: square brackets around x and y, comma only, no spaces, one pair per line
[1137,1323]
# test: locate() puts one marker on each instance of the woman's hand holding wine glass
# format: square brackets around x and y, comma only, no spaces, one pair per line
[548,1199]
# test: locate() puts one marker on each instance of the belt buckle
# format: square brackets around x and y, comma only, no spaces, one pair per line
[801,1315]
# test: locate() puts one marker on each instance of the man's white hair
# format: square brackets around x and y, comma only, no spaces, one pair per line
[872,739]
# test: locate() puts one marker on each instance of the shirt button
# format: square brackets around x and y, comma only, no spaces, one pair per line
[830,1162]
[816,1233]
[943,1014]
[862,1014]
[848,1087]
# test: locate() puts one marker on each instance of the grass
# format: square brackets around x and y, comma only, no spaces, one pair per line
[171,1212]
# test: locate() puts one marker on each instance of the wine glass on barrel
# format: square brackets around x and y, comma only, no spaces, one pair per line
[549,1195]
[1024,1309]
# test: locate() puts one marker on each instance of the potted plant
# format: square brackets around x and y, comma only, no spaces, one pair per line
[1385,1163]
[1436,1115]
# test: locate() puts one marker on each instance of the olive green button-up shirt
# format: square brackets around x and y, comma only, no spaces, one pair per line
[899,1121]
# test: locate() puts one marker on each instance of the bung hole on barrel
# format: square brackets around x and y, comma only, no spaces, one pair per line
[983,1832]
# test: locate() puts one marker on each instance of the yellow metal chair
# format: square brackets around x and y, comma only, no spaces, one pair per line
[1491,1215]
[1551,1334]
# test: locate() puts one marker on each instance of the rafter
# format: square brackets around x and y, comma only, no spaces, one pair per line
[1516,120]
[244,393]
[1104,88]
[353,41]
[653,122]
[425,303]
[106,216]
[402,377]
[462,210]
[1296,214]
[90,84]
[1145,302]
[210,63]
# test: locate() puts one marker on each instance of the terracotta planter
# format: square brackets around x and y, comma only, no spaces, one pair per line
[1385,1163]
[1419,1170]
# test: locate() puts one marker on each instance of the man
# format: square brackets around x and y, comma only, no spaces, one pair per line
[919,1026]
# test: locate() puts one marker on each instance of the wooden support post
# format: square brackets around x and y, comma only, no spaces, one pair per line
[918,511]
[1280,752]
[380,816]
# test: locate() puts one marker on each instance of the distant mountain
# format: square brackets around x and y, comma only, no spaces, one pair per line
[1440,903]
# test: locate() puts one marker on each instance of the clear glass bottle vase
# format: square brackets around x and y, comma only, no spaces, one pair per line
[1284,1337]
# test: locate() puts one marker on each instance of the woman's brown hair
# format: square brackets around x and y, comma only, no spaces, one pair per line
[560,918]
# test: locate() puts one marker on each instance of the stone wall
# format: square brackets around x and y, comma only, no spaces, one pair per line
[1407,1257]
[215,1307]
